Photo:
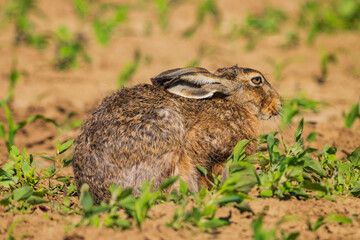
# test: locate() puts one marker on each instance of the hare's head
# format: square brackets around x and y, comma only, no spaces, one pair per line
[244,86]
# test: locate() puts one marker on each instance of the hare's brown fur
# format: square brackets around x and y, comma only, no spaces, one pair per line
[146,133]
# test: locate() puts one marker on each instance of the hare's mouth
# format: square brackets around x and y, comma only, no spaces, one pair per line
[273,109]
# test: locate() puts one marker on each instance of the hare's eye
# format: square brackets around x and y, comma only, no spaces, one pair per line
[256,80]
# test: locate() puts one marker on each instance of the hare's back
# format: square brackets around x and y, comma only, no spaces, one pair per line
[133,125]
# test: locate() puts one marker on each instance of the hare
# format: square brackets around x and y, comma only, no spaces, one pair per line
[188,117]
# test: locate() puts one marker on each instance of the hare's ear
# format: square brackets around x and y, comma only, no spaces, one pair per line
[197,83]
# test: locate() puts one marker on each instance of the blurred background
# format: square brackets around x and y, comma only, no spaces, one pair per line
[59,58]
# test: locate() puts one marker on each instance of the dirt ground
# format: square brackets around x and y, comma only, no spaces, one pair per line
[55,94]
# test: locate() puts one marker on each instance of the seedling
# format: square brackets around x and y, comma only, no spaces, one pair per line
[22,185]
[13,128]
[292,40]
[328,17]
[12,228]
[331,217]
[129,70]
[294,172]
[325,60]
[352,115]
[162,7]
[278,67]
[70,123]
[13,78]
[18,12]
[256,26]
[207,8]
[231,188]
[104,27]
[297,106]
[81,8]
[262,234]
[104,17]
[136,208]
[69,48]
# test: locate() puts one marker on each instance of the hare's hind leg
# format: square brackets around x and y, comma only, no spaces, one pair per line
[188,173]
[154,170]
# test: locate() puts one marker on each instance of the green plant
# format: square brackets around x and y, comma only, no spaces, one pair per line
[331,217]
[260,233]
[13,78]
[104,27]
[231,188]
[69,49]
[325,60]
[293,171]
[18,12]
[13,128]
[257,25]
[162,7]
[329,16]
[104,17]
[290,172]
[129,69]
[81,8]
[278,67]
[205,9]
[292,40]
[134,207]
[296,106]
[342,175]
[352,115]
[23,186]
[70,123]
[12,228]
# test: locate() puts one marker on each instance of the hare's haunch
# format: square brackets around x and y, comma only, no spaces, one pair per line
[188,117]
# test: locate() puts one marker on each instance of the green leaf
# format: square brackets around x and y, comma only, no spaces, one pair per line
[314,186]
[48,158]
[51,169]
[65,146]
[356,190]
[33,118]
[6,174]
[81,8]
[317,224]
[213,223]
[311,137]
[168,182]
[239,150]
[267,193]
[99,209]
[353,114]
[228,199]
[86,200]
[299,130]
[9,118]
[123,223]
[33,200]
[67,162]
[22,193]
[311,165]
[335,217]
[2,130]
[202,170]
[129,69]
[354,157]
[183,187]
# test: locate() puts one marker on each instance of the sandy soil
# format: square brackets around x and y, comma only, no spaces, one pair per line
[55,94]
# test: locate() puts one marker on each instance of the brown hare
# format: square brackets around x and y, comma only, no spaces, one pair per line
[188,117]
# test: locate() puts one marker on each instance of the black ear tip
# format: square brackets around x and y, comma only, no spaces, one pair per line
[154,82]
